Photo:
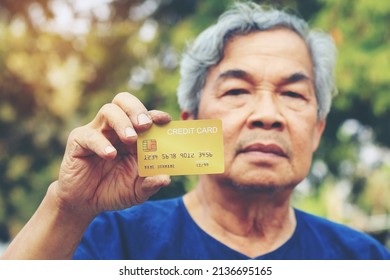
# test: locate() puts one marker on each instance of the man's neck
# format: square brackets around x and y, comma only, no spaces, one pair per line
[250,222]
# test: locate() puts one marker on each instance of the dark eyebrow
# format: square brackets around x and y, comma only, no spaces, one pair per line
[234,73]
[296,77]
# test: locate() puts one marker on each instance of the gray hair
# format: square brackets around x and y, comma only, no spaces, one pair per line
[208,48]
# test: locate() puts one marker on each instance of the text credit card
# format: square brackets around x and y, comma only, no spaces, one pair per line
[181,148]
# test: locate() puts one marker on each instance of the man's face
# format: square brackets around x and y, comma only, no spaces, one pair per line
[263,92]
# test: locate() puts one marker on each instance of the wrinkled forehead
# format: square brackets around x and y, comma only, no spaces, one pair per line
[272,45]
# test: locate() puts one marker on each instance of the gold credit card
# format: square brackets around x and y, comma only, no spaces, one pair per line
[181,148]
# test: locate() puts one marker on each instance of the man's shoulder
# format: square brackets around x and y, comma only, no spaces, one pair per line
[317,224]
[152,209]
[339,237]
[139,232]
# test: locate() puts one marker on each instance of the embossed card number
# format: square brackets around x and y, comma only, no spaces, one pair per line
[181,148]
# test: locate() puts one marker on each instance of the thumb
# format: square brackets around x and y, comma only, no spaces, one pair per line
[152,185]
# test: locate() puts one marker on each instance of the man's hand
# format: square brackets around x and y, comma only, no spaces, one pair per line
[99,170]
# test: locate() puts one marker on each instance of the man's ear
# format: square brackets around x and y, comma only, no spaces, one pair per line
[187,116]
[319,129]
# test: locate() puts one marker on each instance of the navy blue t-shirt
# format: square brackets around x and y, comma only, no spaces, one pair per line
[165,230]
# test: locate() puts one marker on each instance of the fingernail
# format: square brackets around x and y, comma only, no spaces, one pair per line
[143,119]
[109,149]
[130,132]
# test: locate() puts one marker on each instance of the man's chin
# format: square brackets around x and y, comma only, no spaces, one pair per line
[257,187]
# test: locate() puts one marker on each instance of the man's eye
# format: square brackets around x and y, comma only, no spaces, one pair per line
[293,94]
[236,92]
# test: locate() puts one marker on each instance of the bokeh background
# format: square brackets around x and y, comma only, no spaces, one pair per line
[61,60]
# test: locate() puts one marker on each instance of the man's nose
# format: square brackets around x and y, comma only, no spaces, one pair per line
[265,112]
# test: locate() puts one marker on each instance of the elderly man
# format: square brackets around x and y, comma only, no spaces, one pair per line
[269,79]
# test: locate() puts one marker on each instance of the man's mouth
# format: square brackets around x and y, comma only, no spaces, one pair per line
[272,149]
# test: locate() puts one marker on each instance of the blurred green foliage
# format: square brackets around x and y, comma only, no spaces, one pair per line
[55,77]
